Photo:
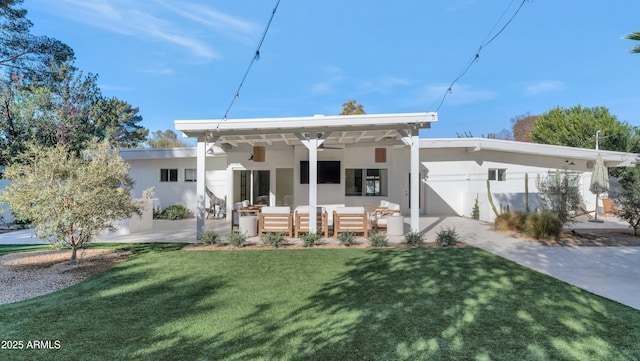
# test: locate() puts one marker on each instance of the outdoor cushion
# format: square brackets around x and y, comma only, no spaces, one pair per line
[350,210]
[278,210]
[305,209]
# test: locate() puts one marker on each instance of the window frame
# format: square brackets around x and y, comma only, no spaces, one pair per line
[190,175]
[367,182]
[497,174]
[168,175]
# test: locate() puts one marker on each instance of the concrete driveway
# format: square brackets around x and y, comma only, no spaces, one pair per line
[611,272]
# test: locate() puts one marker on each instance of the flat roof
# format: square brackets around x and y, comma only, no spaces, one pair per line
[285,129]
[611,158]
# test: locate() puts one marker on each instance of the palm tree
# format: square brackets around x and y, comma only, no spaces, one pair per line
[634,36]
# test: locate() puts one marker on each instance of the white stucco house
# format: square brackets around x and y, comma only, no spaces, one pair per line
[354,160]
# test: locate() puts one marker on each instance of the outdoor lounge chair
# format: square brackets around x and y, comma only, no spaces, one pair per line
[350,219]
[581,210]
[380,216]
[301,223]
[275,219]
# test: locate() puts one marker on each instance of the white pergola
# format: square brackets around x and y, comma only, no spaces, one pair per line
[312,132]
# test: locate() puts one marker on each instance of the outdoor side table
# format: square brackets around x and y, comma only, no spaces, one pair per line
[395,225]
[249,225]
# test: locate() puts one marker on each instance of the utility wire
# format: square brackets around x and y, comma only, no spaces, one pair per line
[484,44]
[256,56]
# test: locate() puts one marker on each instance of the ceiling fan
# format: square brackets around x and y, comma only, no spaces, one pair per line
[323,147]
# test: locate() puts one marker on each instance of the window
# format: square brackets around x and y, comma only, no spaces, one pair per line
[372,181]
[353,182]
[496,174]
[190,175]
[168,175]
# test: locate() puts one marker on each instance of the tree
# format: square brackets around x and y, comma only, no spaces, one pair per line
[577,126]
[351,107]
[20,50]
[628,199]
[559,194]
[70,198]
[63,107]
[522,126]
[117,122]
[166,139]
[634,36]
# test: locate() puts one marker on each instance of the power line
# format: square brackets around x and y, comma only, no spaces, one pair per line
[484,44]
[256,56]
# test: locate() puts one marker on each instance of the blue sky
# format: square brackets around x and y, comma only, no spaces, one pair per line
[179,59]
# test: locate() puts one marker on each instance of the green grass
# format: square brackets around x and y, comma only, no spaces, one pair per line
[322,304]
[12,248]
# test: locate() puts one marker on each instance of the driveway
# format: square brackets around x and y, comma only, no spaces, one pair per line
[611,272]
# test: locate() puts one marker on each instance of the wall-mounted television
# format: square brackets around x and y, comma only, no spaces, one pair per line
[328,172]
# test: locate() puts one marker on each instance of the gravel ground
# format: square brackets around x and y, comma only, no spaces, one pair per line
[26,275]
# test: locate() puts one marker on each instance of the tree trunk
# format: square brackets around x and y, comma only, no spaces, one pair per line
[74,256]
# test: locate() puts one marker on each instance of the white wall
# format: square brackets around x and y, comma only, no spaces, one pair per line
[146,173]
[451,178]
[457,176]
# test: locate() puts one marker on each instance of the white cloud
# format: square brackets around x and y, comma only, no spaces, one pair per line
[460,94]
[332,76]
[214,19]
[383,85]
[148,21]
[541,87]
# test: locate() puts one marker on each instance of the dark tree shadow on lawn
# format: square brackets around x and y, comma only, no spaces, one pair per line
[390,304]
[453,304]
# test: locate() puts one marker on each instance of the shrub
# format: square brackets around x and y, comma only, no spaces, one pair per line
[275,240]
[447,237]
[347,238]
[511,221]
[378,239]
[311,239]
[177,211]
[544,225]
[414,238]
[236,238]
[475,212]
[210,237]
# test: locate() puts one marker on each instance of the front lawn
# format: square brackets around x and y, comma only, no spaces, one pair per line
[321,304]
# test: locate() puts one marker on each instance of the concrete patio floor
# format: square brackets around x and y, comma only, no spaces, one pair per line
[611,272]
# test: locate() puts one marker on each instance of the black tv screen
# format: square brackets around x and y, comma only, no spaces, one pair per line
[328,172]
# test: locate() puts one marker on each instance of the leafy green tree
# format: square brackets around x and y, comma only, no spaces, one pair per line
[634,36]
[577,126]
[14,129]
[63,107]
[22,52]
[117,122]
[166,139]
[70,198]
[352,107]
[628,199]
[559,194]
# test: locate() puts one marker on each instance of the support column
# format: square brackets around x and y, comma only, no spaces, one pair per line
[201,155]
[415,180]
[312,143]
[313,182]
[230,193]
